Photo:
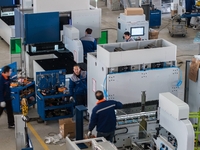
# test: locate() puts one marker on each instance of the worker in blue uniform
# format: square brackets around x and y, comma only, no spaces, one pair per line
[189,7]
[89,43]
[127,37]
[78,86]
[104,117]
[5,96]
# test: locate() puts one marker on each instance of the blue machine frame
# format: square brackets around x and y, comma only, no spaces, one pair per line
[7,3]
[15,94]
[41,28]
[44,83]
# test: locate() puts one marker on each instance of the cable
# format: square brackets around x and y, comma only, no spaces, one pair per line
[180,79]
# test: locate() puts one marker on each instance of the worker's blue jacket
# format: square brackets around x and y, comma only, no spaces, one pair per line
[103,116]
[5,93]
[189,4]
[78,85]
[89,44]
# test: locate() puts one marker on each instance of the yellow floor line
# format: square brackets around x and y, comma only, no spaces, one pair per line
[37,137]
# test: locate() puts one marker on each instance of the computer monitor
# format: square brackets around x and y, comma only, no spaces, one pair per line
[137,31]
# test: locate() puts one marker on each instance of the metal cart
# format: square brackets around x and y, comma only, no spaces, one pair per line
[52,104]
[178,26]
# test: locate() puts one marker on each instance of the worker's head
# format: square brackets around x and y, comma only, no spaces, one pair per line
[99,95]
[7,71]
[88,31]
[77,70]
[127,35]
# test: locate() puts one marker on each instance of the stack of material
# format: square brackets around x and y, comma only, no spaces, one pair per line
[174,9]
[133,11]
[153,34]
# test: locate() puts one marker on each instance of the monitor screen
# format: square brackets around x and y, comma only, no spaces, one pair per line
[137,31]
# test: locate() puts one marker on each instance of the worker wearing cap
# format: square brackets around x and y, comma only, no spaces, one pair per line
[127,37]
[89,43]
[104,117]
[78,86]
[5,96]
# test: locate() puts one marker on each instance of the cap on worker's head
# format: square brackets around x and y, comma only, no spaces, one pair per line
[99,95]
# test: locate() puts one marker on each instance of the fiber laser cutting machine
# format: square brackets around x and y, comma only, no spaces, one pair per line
[133,73]
[53,22]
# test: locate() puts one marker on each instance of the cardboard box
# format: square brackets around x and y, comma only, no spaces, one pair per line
[67,126]
[194,68]
[133,11]
[174,13]
[153,34]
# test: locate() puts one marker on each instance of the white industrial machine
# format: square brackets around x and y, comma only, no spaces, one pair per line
[168,128]
[135,24]
[72,42]
[90,144]
[133,73]
[7,23]
[79,17]
[132,67]
[173,115]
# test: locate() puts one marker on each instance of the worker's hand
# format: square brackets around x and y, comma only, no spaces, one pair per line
[3,104]
[89,133]
[71,98]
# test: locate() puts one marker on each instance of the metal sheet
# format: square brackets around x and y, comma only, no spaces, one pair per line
[152,81]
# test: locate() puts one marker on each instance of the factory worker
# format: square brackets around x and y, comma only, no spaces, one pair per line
[127,37]
[103,117]
[89,43]
[78,86]
[5,96]
[189,8]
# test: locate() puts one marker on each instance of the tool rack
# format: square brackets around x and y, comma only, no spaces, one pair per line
[19,92]
[51,104]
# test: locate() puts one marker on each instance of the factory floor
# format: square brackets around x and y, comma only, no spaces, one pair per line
[37,132]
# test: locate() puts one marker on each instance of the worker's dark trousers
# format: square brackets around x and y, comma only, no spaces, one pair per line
[108,136]
[81,100]
[9,111]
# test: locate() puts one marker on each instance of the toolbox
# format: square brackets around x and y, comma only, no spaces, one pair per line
[53,99]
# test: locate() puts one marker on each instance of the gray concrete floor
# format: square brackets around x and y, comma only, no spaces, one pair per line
[109,21]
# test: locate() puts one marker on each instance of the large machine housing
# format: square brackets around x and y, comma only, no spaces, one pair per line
[135,24]
[125,74]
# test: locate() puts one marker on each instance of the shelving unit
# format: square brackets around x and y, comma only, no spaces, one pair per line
[51,104]
[27,91]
